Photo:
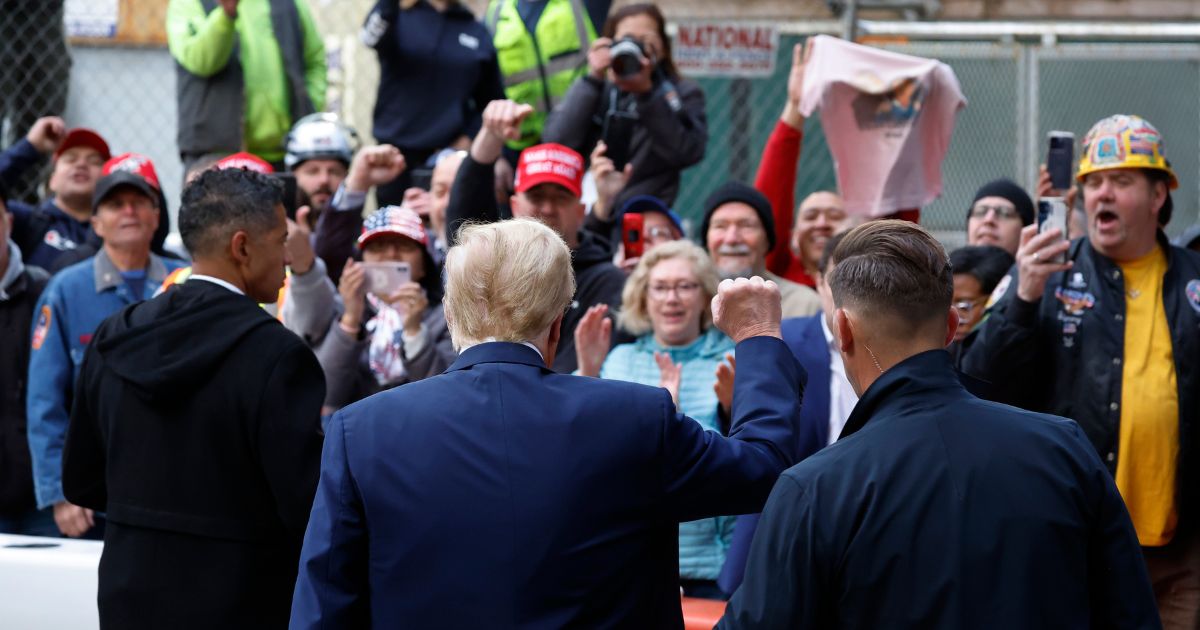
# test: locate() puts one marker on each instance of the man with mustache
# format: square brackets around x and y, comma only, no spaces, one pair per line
[1108,338]
[319,150]
[739,231]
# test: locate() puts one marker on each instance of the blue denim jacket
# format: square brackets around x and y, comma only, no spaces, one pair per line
[69,311]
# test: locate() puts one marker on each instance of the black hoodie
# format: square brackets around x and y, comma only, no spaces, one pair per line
[196,424]
[597,280]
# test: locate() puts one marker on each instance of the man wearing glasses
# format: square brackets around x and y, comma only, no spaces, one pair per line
[1001,208]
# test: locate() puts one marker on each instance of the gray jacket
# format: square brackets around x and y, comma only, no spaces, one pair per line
[312,310]
[664,141]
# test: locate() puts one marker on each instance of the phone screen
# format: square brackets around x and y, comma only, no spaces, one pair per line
[384,279]
[291,194]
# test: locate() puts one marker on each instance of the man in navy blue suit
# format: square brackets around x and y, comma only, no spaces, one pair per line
[503,495]
[935,509]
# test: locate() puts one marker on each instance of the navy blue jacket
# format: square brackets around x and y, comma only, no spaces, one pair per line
[437,71]
[805,339]
[503,495]
[936,509]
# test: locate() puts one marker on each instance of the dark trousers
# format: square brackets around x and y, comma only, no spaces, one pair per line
[1175,575]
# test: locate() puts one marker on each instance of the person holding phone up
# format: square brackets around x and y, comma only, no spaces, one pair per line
[1108,338]
[649,117]
[388,327]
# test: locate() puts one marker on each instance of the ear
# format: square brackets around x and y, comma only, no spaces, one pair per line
[96,226]
[1159,196]
[581,210]
[953,321]
[845,335]
[552,340]
[239,247]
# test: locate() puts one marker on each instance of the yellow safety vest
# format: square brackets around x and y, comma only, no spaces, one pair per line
[538,70]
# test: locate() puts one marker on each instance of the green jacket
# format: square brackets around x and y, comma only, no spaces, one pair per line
[203,44]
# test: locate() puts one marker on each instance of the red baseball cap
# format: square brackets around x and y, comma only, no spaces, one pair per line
[247,161]
[83,137]
[550,164]
[128,169]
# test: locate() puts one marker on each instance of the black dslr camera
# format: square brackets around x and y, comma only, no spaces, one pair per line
[627,55]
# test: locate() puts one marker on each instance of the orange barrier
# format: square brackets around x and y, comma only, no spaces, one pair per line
[701,614]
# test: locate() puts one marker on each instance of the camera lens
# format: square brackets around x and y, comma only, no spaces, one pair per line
[626,58]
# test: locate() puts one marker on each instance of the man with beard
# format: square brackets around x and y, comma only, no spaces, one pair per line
[319,150]
[739,232]
[1108,338]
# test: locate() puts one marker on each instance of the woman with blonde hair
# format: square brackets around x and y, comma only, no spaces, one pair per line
[666,302]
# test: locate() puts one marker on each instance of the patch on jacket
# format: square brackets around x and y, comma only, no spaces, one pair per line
[1193,294]
[999,291]
[1074,302]
[468,41]
[42,327]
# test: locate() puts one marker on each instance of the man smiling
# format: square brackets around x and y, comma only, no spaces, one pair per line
[739,232]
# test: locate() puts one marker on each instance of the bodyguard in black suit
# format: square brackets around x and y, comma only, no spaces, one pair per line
[196,429]
[935,509]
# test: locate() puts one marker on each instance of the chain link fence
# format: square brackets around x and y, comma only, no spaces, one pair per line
[115,74]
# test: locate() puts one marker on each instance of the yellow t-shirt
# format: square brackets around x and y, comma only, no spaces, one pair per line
[1149,432]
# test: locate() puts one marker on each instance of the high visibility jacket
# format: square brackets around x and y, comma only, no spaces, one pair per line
[539,68]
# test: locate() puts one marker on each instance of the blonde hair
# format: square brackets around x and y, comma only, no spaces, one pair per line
[506,281]
[634,317]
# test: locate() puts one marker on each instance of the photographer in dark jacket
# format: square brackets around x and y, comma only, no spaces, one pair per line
[1108,339]
[634,95]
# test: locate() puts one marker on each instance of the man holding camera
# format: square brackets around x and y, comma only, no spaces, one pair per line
[1107,336]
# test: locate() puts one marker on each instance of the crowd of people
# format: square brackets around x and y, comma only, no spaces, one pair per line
[343,418]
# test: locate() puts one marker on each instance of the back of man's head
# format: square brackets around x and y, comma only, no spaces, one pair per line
[507,281]
[896,279]
[219,203]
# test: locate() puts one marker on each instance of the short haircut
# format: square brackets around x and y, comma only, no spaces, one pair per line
[218,203]
[634,316]
[893,270]
[506,281]
[986,263]
[827,253]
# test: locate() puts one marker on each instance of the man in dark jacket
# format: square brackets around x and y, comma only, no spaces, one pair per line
[935,509]
[1108,338]
[20,286]
[196,428]
[549,182]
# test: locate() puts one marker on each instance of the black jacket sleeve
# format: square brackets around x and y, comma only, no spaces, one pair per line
[573,122]
[85,471]
[679,138]
[1008,354]
[472,198]
[289,434]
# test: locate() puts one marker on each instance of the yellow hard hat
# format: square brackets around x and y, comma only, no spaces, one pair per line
[1123,141]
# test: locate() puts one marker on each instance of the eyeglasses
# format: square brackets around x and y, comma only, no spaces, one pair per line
[1002,212]
[681,289]
[965,307]
[658,234]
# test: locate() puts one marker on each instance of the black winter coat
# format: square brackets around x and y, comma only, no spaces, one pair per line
[196,427]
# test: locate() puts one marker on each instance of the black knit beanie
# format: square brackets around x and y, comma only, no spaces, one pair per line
[737,191]
[1007,189]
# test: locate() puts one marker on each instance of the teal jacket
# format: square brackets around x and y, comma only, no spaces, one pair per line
[702,543]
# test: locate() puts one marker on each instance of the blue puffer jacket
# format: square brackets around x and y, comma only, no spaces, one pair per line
[702,544]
